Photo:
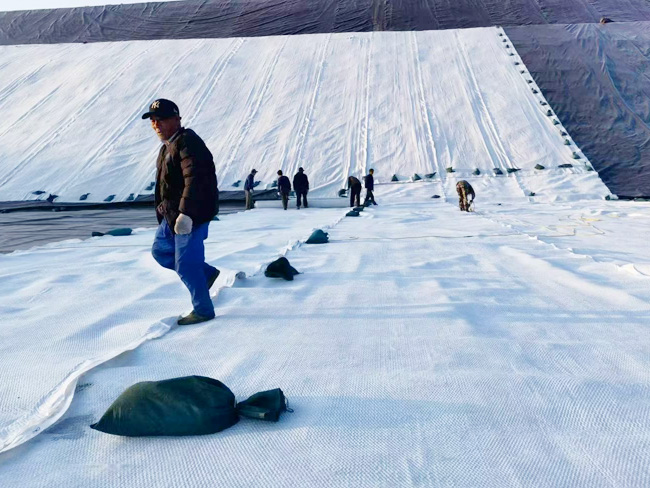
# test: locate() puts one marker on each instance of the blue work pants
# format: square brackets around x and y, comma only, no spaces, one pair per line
[185,254]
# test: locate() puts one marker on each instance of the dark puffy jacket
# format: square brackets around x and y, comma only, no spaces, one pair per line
[354,183]
[250,181]
[300,183]
[186,181]
[284,185]
[370,182]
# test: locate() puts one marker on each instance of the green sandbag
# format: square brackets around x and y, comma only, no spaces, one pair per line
[435,196]
[236,183]
[531,193]
[539,166]
[497,171]
[342,192]
[280,268]
[576,155]
[451,170]
[265,405]
[352,213]
[476,172]
[430,175]
[512,170]
[567,142]
[318,237]
[122,231]
[416,177]
[394,178]
[358,209]
[566,165]
[192,405]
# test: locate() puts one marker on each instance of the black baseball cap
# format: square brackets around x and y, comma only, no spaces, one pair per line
[163,109]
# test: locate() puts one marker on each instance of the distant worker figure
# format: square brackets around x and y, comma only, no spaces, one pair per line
[355,191]
[187,200]
[301,187]
[284,187]
[464,190]
[248,189]
[370,187]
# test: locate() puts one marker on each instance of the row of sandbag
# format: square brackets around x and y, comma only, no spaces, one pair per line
[194,405]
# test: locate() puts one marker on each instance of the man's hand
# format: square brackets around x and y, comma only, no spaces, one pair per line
[183,225]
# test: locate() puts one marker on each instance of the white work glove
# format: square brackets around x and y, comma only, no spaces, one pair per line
[183,225]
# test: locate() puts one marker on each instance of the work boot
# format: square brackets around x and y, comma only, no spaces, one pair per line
[193,318]
[213,278]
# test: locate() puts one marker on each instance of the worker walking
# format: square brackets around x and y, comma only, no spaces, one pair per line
[370,187]
[186,199]
[284,187]
[301,187]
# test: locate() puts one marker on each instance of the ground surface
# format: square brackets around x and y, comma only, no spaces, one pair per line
[420,347]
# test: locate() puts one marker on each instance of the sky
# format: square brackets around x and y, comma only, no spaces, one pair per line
[6,5]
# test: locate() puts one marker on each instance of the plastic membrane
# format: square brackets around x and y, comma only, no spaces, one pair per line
[225,18]
[597,78]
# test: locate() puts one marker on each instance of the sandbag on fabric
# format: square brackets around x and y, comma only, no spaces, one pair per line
[192,405]
[122,231]
[352,213]
[358,209]
[281,268]
[265,405]
[318,237]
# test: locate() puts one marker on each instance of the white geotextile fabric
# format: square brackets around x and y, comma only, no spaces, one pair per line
[339,104]
[420,347]
[69,306]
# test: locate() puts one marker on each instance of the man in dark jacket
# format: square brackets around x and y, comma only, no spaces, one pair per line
[301,187]
[370,187]
[354,185]
[248,189]
[284,187]
[186,201]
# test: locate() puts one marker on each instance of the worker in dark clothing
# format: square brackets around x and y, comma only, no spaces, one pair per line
[186,201]
[354,185]
[370,187]
[284,188]
[465,190]
[248,189]
[301,187]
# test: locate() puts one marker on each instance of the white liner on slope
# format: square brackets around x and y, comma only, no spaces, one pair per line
[335,104]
